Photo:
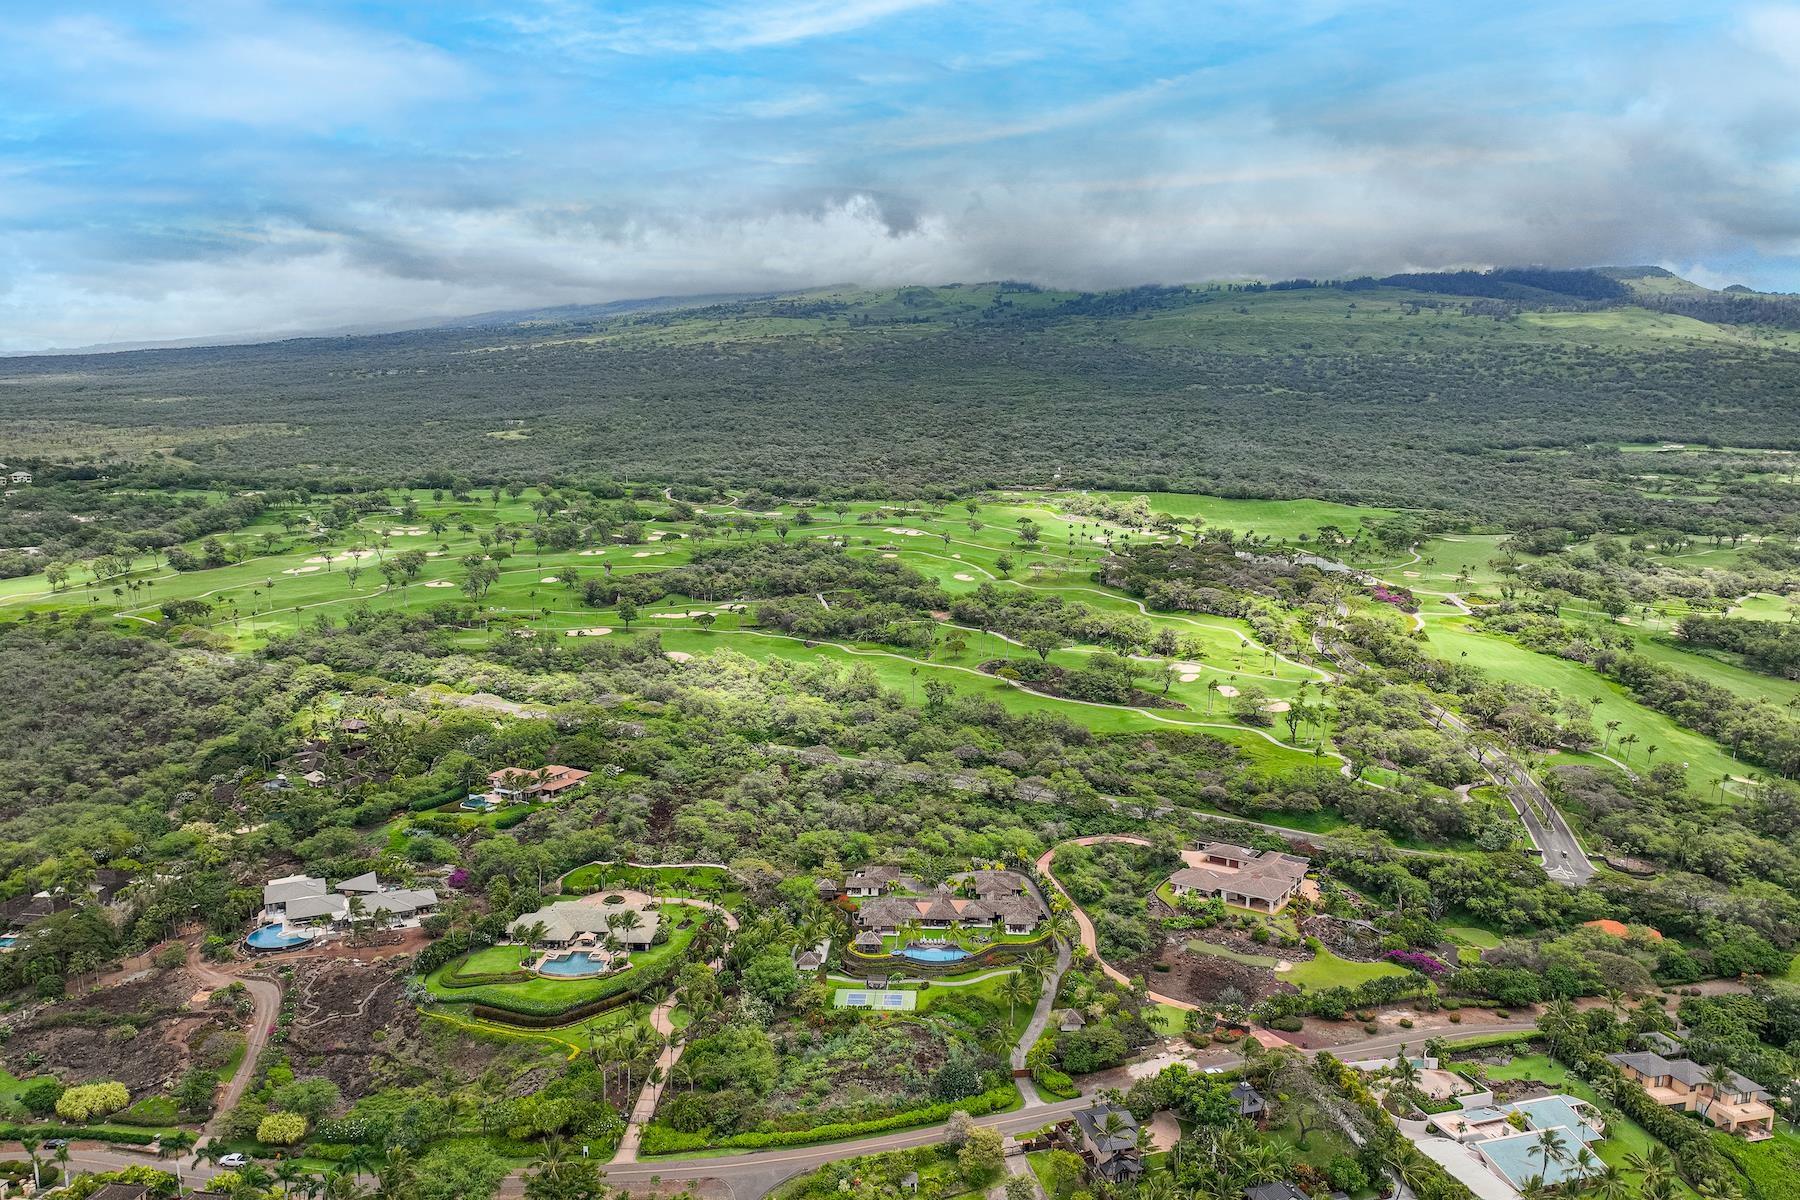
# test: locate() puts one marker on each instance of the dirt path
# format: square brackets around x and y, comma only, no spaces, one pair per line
[265,1000]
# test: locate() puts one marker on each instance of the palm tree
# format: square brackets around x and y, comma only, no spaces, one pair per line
[1610,1184]
[1657,1167]
[1015,990]
[359,1161]
[1722,1080]
[1550,1145]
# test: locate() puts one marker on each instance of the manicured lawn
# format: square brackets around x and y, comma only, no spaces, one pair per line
[1327,970]
[1472,935]
[1166,1018]
[1250,960]
[563,991]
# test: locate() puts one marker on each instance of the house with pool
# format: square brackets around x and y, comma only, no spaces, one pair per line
[590,936]
[989,905]
[298,909]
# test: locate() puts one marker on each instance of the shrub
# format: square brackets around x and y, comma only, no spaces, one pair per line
[660,1139]
[91,1100]
[1371,1028]
[281,1129]
[155,1111]
[1287,1024]
[40,1095]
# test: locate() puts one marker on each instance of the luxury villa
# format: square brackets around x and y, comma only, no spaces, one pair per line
[544,783]
[583,924]
[1005,898]
[1740,1107]
[1261,880]
[1505,1137]
[1111,1154]
[296,907]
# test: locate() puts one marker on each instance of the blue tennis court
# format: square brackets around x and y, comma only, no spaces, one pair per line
[885,1001]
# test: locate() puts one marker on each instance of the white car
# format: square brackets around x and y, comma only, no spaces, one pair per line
[234,1161]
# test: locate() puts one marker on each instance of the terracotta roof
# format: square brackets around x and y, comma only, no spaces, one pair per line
[1617,928]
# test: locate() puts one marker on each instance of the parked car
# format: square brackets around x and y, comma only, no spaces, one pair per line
[234,1161]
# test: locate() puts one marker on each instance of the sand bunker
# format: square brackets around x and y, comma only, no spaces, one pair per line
[890,556]
[1410,574]
[682,616]
[654,536]
[903,531]
[594,631]
[1189,677]
[434,554]
[550,579]
[590,552]
[1277,706]
[1226,690]
[964,577]
[958,557]
[322,558]
[300,570]
[407,532]
[648,553]
[439,583]
[678,655]
[524,633]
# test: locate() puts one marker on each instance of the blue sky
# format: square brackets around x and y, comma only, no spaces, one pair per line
[175,170]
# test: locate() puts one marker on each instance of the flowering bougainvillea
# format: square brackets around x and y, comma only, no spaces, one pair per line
[1418,960]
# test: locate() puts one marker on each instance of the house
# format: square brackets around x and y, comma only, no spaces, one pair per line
[121,1191]
[314,778]
[1250,1102]
[1576,1119]
[1519,1158]
[19,477]
[868,942]
[544,783]
[1739,1106]
[812,958]
[1280,1190]
[304,899]
[1264,881]
[353,725]
[565,924]
[888,915]
[1109,1142]
[877,881]
[1069,1020]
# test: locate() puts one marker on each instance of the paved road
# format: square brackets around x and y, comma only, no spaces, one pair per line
[1563,858]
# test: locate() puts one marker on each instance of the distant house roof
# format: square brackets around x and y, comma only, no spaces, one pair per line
[1249,1100]
[401,901]
[121,1191]
[1280,1190]
[1618,928]
[808,960]
[366,882]
[1070,1019]
[563,922]
[1552,1112]
[868,939]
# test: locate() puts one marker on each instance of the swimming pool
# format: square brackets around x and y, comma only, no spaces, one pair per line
[8,941]
[275,937]
[577,964]
[932,954]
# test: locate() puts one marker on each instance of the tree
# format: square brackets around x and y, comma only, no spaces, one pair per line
[982,1154]
[1549,1146]
[628,611]
[559,1174]
[1043,641]
[1015,990]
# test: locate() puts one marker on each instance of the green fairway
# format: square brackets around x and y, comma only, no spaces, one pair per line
[1705,759]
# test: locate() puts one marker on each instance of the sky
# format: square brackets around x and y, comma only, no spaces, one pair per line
[238,168]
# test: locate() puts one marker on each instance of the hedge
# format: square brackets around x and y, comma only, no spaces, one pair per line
[453,976]
[12,1133]
[855,961]
[530,1013]
[660,1139]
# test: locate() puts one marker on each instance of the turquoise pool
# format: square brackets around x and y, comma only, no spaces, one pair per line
[932,954]
[573,965]
[274,937]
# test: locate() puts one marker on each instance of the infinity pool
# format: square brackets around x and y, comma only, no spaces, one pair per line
[274,937]
[932,954]
[577,964]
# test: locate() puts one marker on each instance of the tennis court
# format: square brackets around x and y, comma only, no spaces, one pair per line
[886,1001]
